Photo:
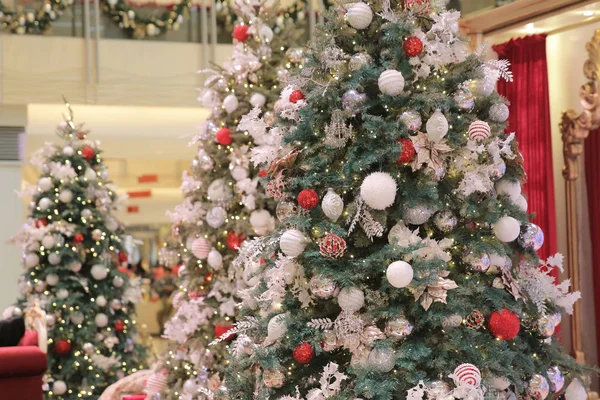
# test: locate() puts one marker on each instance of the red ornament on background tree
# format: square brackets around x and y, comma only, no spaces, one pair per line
[296,96]
[408,151]
[62,347]
[504,324]
[220,330]
[332,246]
[88,153]
[303,353]
[78,237]
[80,135]
[308,199]
[123,257]
[262,173]
[413,46]
[234,241]
[41,222]
[208,277]
[224,136]
[119,326]
[240,33]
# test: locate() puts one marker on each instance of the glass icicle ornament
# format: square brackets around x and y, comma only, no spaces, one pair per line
[332,205]
[437,126]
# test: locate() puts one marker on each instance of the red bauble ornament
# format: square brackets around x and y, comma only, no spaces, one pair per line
[224,136]
[413,46]
[208,277]
[119,326]
[88,153]
[296,96]
[408,151]
[308,199]
[123,257]
[62,347]
[332,246]
[40,223]
[234,241]
[262,173]
[303,353]
[78,237]
[220,330]
[504,324]
[240,33]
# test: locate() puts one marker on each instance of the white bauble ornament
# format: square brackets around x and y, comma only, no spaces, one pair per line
[31,260]
[88,348]
[332,205]
[118,281]
[508,188]
[266,34]
[54,258]
[507,229]
[96,234]
[40,286]
[44,203]
[214,259]
[111,224]
[52,279]
[59,387]
[68,151]
[230,103]
[218,190]
[90,175]
[351,299]
[258,100]
[399,274]
[216,217]
[101,301]
[182,271]
[391,82]
[276,328]
[99,272]
[437,126]
[521,202]
[200,248]
[262,222]
[292,242]
[76,266]
[378,190]
[86,213]
[575,391]
[190,386]
[45,183]
[359,15]
[479,131]
[48,241]
[65,196]
[76,317]
[238,173]
[62,294]
[382,359]
[101,320]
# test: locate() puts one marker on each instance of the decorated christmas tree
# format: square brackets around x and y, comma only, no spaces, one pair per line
[406,265]
[224,203]
[72,256]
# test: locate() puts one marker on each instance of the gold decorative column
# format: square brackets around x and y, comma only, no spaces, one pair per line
[575,128]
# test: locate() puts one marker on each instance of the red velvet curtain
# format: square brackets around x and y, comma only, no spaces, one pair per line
[530,119]
[592,181]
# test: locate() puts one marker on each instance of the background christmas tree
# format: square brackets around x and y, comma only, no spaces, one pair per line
[72,255]
[407,265]
[224,203]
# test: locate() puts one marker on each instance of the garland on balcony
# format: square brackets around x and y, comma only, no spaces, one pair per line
[131,23]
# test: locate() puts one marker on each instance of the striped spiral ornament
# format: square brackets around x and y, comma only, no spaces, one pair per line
[467,374]
[479,131]
[200,248]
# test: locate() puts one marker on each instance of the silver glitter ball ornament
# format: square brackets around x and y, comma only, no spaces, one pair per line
[538,387]
[285,210]
[273,378]
[382,360]
[88,348]
[498,170]
[353,101]
[438,390]
[282,74]
[412,120]
[499,112]
[359,60]
[295,54]
[204,161]
[323,287]
[546,325]
[477,261]
[398,328]
[464,99]
[532,237]
[216,217]
[445,221]
[221,84]
[557,379]
[329,341]
[418,214]
[115,304]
